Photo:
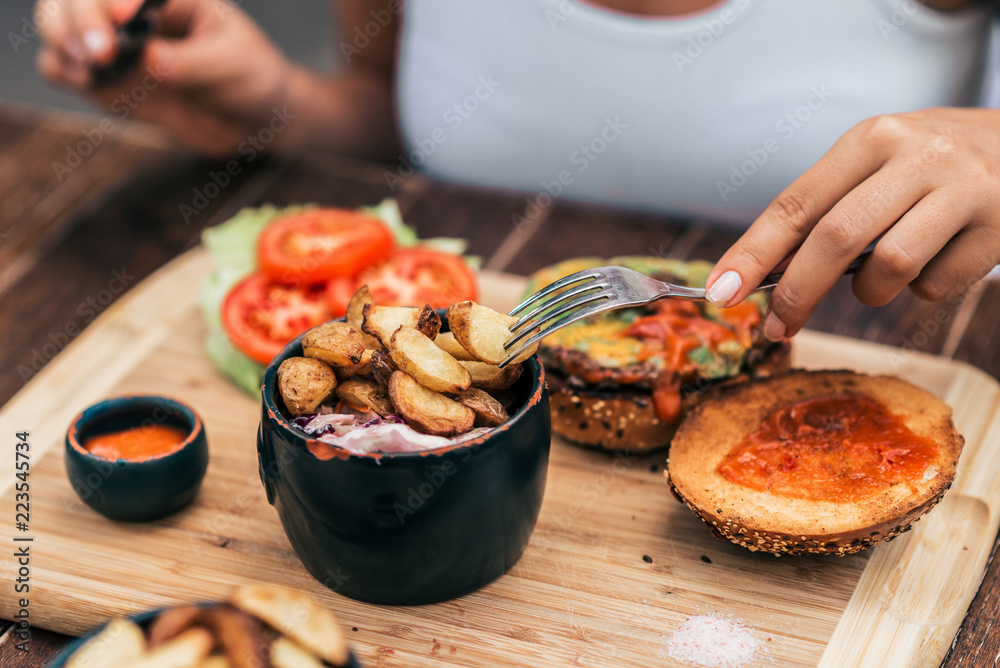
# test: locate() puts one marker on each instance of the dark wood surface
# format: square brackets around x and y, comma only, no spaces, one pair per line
[70,239]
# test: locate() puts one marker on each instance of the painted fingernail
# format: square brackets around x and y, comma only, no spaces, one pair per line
[774,329]
[96,42]
[724,288]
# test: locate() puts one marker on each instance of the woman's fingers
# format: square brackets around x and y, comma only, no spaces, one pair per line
[122,11]
[62,58]
[927,179]
[53,26]
[81,34]
[90,21]
[182,62]
[179,18]
[57,68]
[851,224]
[969,256]
[900,255]
[790,218]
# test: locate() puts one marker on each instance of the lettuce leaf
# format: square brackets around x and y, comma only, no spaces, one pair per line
[388,212]
[233,247]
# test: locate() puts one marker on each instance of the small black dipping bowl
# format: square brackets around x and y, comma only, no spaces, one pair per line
[136,490]
[408,528]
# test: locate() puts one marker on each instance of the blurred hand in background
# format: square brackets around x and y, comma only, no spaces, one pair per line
[214,78]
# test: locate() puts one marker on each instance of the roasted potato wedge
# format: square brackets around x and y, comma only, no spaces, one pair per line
[286,653]
[298,617]
[489,411]
[382,367]
[446,342]
[426,410]
[429,365]
[428,322]
[171,623]
[483,331]
[119,644]
[364,393]
[336,343]
[356,307]
[240,636]
[490,377]
[382,321]
[188,649]
[362,368]
[304,383]
[356,314]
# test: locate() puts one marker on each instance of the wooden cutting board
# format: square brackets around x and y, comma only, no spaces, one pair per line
[614,566]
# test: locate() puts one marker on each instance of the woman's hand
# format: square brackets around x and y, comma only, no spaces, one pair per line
[210,74]
[928,181]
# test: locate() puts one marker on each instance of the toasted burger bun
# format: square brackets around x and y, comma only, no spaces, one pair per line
[779,523]
[611,420]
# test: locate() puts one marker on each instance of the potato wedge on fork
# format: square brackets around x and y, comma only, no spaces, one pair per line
[483,331]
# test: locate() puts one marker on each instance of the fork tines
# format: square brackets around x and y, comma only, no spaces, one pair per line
[556,305]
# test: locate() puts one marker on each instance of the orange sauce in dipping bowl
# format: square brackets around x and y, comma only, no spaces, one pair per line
[137,443]
[137,458]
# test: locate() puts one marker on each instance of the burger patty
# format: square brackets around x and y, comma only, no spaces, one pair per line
[567,368]
[622,416]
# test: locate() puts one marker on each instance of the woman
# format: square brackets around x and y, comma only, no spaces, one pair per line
[694,106]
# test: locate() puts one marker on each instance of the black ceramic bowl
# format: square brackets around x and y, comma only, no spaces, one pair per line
[409,528]
[143,619]
[136,490]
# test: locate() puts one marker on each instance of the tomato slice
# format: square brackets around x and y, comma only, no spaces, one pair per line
[410,277]
[320,244]
[338,294]
[261,316]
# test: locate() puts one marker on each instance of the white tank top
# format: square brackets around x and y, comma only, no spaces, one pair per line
[709,115]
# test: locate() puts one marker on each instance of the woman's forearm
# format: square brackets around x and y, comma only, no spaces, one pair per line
[350,113]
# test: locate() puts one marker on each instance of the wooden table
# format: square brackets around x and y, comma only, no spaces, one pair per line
[89,207]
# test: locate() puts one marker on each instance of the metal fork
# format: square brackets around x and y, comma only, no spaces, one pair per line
[594,291]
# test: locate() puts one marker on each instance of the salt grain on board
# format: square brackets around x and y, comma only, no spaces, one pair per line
[713,640]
